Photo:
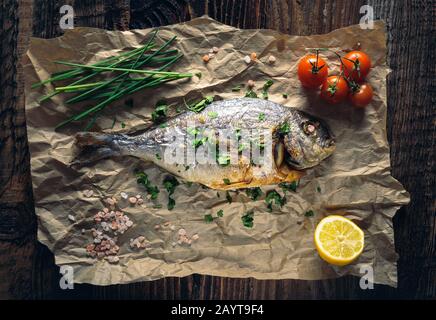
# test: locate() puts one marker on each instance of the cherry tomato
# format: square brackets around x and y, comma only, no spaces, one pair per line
[334,89]
[356,65]
[312,71]
[362,95]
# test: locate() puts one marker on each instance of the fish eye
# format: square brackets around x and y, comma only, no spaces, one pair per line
[309,128]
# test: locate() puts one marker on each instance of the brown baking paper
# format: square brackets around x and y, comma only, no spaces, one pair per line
[354,182]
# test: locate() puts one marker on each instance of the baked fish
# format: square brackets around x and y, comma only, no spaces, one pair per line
[231,144]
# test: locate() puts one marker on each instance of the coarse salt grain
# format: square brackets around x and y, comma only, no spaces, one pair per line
[124,195]
[271,59]
[71,218]
[247,59]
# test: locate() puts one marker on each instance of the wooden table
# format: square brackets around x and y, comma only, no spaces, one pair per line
[26,267]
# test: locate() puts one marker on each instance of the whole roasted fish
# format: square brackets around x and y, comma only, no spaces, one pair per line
[236,143]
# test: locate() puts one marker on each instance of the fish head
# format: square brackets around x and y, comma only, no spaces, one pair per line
[308,141]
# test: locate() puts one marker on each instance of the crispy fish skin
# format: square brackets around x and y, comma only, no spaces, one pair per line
[298,141]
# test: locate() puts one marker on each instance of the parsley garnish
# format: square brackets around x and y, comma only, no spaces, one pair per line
[220,213]
[170,183]
[309,213]
[250,94]
[223,160]
[159,114]
[284,128]
[142,178]
[254,193]
[212,114]
[226,181]
[262,116]
[248,219]
[274,197]
[289,186]
[208,218]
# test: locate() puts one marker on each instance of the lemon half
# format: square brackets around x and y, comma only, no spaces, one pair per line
[339,240]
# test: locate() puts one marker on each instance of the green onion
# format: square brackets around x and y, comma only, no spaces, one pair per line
[120,82]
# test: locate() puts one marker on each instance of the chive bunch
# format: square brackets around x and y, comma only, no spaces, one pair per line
[112,78]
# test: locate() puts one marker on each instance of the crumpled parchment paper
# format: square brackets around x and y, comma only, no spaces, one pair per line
[354,182]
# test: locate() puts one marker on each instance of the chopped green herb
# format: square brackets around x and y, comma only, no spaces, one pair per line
[123,125]
[309,213]
[268,84]
[198,74]
[163,125]
[238,134]
[228,197]
[265,88]
[223,160]
[170,183]
[198,142]
[220,213]
[248,219]
[285,95]
[250,94]
[159,114]
[236,88]
[186,168]
[262,116]
[289,186]
[242,147]
[226,181]
[158,157]
[199,106]
[254,193]
[265,95]
[171,203]
[284,128]
[273,197]
[208,218]
[142,179]
[318,189]
[193,131]
[212,114]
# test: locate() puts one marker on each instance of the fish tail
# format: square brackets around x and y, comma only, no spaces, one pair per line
[95,146]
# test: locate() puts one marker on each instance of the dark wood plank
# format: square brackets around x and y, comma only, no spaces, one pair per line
[410,132]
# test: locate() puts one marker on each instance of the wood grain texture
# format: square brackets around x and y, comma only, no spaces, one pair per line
[27,267]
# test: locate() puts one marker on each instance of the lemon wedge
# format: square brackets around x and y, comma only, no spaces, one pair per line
[339,240]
